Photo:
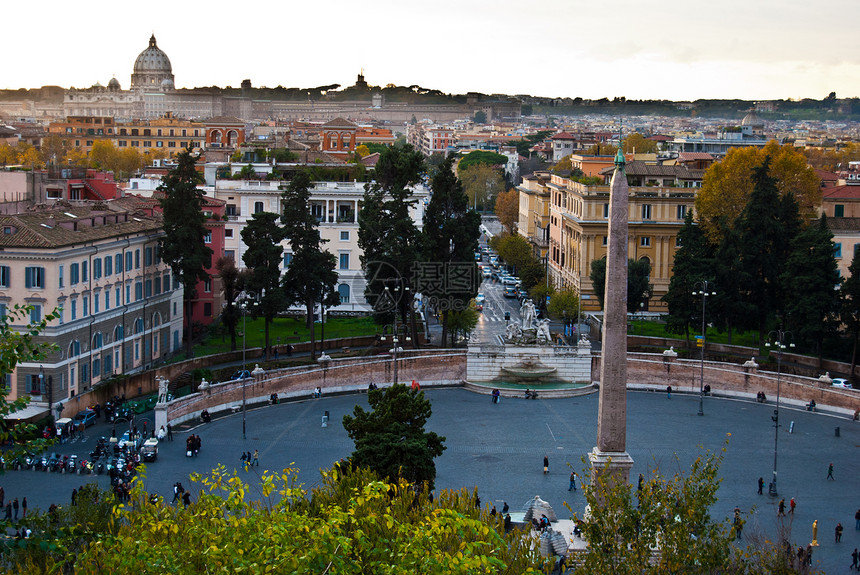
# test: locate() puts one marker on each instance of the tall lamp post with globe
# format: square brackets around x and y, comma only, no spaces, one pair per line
[703,291]
[776,338]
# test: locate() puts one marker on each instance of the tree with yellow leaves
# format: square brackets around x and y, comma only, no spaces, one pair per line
[508,209]
[728,184]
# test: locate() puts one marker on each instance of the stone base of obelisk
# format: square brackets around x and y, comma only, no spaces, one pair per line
[160,416]
[609,468]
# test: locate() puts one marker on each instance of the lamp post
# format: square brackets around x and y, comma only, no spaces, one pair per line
[395,339]
[778,338]
[244,331]
[703,291]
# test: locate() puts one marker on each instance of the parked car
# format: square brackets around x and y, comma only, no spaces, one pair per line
[149,450]
[241,374]
[842,383]
[87,417]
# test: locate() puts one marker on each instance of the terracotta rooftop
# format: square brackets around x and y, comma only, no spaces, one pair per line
[339,123]
[846,192]
[692,156]
[65,225]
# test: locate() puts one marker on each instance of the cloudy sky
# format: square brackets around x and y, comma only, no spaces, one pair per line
[749,49]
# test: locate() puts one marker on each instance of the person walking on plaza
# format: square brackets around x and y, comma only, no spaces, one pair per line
[830,473]
[854,557]
[186,499]
[856,517]
[169,432]
[572,485]
[3,498]
[791,505]
[256,458]
[838,532]
[781,511]
[760,484]
[15,508]
[668,392]
[24,508]
[545,464]
[8,512]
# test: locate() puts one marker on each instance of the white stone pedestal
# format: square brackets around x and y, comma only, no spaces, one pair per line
[612,467]
[160,416]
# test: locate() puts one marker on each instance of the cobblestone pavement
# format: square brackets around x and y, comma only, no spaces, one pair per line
[500,448]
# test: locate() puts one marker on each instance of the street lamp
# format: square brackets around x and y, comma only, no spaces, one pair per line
[395,339]
[778,338]
[243,305]
[703,291]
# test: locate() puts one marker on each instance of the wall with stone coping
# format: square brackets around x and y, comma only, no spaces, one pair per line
[429,368]
[652,372]
[485,362]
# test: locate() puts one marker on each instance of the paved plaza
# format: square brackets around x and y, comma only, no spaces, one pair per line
[500,448]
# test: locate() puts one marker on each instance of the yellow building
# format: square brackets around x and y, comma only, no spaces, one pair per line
[579,220]
[533,222]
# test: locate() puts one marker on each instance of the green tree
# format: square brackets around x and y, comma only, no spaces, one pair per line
[639,288]
[564,305]
[481,157]
[388,237]
[311,278]
[482,183]
[516,251]
[811,277]
[637,143]
[694,262]
[850,309]
[450,238]
[391,440]
[231,284]
[766,227]
[480,117]
[183,245]
[730,308]
[262,236]
[462,323]
[19,343]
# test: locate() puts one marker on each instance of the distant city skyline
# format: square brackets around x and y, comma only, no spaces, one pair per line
[762,50]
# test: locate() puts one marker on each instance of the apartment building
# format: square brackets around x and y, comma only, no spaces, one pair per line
[99,265]
[431,139]
[533,223]
[334,204]
[579,222]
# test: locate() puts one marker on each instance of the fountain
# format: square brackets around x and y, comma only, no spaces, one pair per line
[529,369]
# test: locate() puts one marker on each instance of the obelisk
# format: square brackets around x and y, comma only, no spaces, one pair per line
[610,456]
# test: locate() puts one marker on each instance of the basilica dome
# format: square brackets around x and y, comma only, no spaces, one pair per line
[152,68]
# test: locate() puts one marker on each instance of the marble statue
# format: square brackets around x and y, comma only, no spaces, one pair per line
[162,389]
[543,335]
[527,314]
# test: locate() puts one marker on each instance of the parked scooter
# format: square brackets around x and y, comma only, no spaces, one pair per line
[82,468]
[54,462]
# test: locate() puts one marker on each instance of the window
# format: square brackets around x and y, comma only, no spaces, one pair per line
[343,292]
[5,276]
[36,314]
[86,301]
[96,298]
[108,266]
[157,285]
[85,275]
[97,268]
[344,236]
[98,340]
[605,210]
[344,261]
[288,259]
[128,261]
[681,213]
[60,277]
[138,291]
[137,259]
[165,281]
[147,256]
[34,277]
[838,211]
[75,349]
[74,274]
[3,309]
[117,263]
[645,242]
[207,286]
[230,254]
[837,250]
[646,211]
[207,311]
[604,240]
[258,207]
[107,299]
[116,294]
[228,233]
[127,293]
[74,309]
[147,288]
[677,242]
[207,237]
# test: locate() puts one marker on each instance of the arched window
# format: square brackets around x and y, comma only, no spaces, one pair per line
[74,348]
[343,292]
[118,333]
[138,326]
[232,137]
[156,319]
[98,340]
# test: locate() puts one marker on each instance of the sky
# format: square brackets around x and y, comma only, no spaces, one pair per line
[745,49]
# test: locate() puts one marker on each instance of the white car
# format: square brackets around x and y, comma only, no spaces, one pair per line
[509,281]
[842,383]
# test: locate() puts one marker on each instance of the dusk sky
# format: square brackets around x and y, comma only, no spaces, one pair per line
[747,49]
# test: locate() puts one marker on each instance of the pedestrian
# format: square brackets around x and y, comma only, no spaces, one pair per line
[15,508]
[738,523]
[244,458]
[791,505]
[493,510]
[477,501]
[545,464]
[3,498]
[186,499]
[856,518]
[505,507]
[169,432]
[572,485]
[830,473]
[74,495]
[760,484]
[781,511]
[668,392]
[8,512]
[256,458]
[641,482]
[838,532]
[24,508]
[854,556]
[177,494]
